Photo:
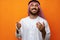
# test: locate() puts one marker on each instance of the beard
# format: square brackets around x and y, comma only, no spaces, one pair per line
[34,13]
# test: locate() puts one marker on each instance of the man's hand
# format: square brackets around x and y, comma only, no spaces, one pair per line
[41,27]
[18,25]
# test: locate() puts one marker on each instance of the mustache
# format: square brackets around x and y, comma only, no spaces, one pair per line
[34,9]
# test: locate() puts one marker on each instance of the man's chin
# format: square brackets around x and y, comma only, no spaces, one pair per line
[34,13]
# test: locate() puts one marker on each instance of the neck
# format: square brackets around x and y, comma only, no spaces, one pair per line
[33,16]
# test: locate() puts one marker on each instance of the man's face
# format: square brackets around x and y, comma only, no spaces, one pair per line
[34,8]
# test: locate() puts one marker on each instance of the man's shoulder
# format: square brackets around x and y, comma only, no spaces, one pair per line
[23,19]
[42,19]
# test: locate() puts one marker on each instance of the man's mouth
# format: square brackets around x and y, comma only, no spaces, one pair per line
[34,10]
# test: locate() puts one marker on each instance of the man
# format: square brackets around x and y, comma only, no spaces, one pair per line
[33,27]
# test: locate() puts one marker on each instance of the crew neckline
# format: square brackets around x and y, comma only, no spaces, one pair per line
[34,18]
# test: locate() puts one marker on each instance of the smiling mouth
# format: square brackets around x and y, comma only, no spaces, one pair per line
[33,10]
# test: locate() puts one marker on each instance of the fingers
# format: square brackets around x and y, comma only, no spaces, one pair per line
[18,25]
[43,24]
[38,23]
[40,26]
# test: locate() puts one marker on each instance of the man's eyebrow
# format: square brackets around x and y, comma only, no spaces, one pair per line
[35,3]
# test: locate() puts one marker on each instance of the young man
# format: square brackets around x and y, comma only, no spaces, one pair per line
[33,27]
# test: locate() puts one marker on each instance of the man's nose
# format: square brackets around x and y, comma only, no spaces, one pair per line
[34,6]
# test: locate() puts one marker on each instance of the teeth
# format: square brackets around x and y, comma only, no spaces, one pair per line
[33,9]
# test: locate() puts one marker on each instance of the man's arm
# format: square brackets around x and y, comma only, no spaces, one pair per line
[43,33]
[44,29]
[47,29]
[41,28]
[18,31]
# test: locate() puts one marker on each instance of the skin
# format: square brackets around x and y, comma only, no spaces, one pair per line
[34,8]
[33,14]
[18,25]
[41,27]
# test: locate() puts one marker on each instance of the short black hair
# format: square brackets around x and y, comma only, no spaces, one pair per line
[34,1]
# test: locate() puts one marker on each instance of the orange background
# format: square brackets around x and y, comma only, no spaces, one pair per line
[12,11]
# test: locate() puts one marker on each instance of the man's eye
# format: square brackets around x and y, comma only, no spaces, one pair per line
[36,5]
[32,5]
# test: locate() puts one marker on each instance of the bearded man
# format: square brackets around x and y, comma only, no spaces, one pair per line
[34,26]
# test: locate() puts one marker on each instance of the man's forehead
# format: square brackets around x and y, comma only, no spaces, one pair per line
[34,3]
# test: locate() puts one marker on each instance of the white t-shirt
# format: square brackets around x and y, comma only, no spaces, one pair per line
[29,30]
